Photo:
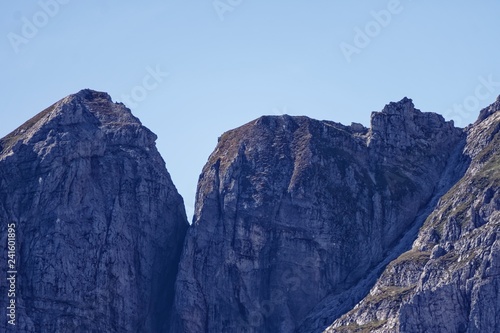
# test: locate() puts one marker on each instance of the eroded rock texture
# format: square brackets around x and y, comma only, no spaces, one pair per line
[300,225]
[295,218]
[99,223]
[450,280]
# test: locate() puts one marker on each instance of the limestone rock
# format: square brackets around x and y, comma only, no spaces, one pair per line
[450,280]
[296,218]
[300,225]
[99,224]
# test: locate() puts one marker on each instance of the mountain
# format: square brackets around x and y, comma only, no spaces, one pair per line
[300,226]
[296,218]
[98,223]
[450,279]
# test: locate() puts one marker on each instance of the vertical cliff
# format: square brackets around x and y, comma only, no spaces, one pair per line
[99,224]
[450,280]
[293,214]
[300,225]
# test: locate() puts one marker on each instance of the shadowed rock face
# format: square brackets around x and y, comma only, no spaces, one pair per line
[450,280]
[99,224]
[292,214]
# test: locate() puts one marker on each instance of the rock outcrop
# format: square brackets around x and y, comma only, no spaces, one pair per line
[296,218]
[99,224]
[300,226]
[450,280]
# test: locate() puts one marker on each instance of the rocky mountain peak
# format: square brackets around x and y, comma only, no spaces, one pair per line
[103,108]
[292,213]
[90,194]
[92,95]
[81,116]
[403,106]
[456,255]
[300,225]
[489,110]
[401,126]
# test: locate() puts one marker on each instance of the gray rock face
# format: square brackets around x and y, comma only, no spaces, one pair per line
[293,215]
[450,280]
[300,225]
[99,224]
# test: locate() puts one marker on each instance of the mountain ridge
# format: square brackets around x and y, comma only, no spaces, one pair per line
[456,255]
[283,190]
[300,225]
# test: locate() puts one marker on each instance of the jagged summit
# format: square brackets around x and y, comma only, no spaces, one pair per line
[401,115]
[91,95]
[100,223]
[292,198]
[399,125]
[101,105]
[456,255]
[489,110]
[402,126]
[85,109]
[403,106]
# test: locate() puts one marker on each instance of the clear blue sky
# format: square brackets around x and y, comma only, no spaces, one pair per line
[231,61]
